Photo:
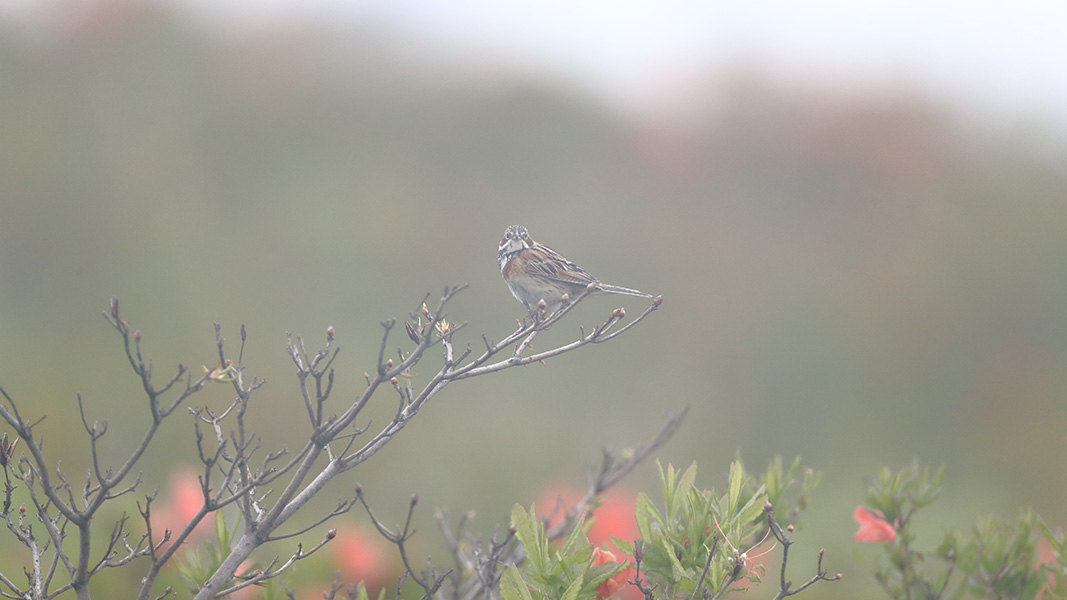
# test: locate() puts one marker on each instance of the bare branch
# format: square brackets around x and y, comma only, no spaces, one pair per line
[783,537]
[229,475]
[341,508]
[613,468]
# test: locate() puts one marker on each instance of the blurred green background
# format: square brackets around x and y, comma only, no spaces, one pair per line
[859,275]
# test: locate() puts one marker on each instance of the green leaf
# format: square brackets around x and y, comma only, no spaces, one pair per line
[361,592]
[688,478]
[929,490]
[777,481]
[576,538]
[512,587]
[624,546]
[641,515]
[753,508]
[598,574]
[528,530]
[734,495]
[667,481]
[222,533]
[679,568]
[573,588]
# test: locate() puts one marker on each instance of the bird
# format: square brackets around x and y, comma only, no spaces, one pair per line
[535,272]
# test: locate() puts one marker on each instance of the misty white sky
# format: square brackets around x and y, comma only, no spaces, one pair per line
[990,53]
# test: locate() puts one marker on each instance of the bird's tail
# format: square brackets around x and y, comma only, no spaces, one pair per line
[615,289]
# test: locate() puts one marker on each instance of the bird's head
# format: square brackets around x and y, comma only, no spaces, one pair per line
[515,239]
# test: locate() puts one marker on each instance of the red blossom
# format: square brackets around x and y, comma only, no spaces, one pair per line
[183,500]
[613,517]
[873,526]
[362,557]
[615,582]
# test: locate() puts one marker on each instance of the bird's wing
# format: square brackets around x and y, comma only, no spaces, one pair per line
[546,262]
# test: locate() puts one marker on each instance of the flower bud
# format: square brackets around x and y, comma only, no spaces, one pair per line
[657,300]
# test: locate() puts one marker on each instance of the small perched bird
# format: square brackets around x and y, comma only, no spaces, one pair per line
[536,272]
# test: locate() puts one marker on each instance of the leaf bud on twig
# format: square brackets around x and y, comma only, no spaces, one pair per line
[415,337]
[7,450]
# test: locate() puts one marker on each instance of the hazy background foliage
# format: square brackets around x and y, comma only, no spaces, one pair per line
[858,278]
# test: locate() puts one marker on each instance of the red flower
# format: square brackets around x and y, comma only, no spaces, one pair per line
[615,582]
[613,517]
[179,506]
[873,527]
[362,557]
